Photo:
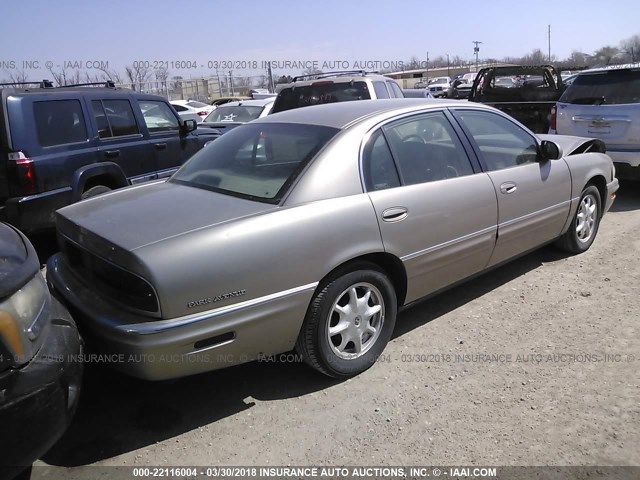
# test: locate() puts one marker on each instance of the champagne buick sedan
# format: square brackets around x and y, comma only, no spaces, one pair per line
[310,228]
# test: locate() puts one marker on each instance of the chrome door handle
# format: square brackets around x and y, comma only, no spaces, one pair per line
[395,214]
[508,187]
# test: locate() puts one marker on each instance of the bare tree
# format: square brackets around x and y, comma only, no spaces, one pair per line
[413,63]
[536,57]
[137,75]
[65,77]
[577,59]
[605,54]
[311,71]
[18,76]
[631,48]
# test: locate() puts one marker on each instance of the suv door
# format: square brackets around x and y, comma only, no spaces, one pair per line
[120,139]
[533,197]
[436,212]
[171,149]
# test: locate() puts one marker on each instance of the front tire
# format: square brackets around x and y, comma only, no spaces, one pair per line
[582,231]
[349,322]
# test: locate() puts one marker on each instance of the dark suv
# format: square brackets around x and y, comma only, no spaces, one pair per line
[61,145]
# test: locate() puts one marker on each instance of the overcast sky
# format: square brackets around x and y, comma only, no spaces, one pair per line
[203,31]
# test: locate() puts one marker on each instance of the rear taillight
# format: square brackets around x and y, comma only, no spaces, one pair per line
[203,113]
[552,118]
[22,173]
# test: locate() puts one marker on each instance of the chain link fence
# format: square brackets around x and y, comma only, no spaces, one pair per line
[201,89]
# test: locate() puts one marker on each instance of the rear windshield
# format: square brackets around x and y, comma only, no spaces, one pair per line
[234,114]
[195,104]
[611,87]
[255,161]
[315,94]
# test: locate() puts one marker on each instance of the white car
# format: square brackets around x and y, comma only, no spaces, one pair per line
[604,103]
[233,114]
[439,86]
[192,107]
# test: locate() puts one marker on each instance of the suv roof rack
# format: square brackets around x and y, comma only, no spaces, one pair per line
[41,84]
[331,74]
[107,84]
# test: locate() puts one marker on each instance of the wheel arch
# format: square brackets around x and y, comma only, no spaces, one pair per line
[600,183]
[108,174]
[390,265]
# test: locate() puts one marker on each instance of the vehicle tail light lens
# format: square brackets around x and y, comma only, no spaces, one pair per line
[23,173]
[553,118]
[203,113]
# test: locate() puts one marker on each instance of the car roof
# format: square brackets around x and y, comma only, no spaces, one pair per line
[249,103]
[341,114]
[626,66]
[340,78]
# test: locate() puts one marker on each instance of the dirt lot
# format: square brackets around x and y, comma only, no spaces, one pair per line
[534,388]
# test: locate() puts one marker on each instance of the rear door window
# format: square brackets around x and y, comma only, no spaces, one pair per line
[381,90]
[610,87]
[395,89]
[114,118]
[427,149]
[59,122]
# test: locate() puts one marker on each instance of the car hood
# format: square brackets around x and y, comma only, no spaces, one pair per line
[571,145]
[134,217]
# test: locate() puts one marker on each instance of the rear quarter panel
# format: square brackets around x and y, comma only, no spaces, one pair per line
[262,254]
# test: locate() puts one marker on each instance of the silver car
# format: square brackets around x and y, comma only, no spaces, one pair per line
[310,228]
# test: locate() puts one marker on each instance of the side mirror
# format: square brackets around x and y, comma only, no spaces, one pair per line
[188,126]
[549,151]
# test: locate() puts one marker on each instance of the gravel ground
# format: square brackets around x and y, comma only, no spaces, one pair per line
[536,363]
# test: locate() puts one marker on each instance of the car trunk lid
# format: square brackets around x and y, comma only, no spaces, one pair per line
[162,210]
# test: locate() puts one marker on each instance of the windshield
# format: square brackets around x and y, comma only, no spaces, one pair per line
[315,94]
[608,87]
[255,161]
[440,80]
[234,114]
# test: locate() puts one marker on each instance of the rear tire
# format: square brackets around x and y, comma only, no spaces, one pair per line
[349,322]
[93,191]
[584,227]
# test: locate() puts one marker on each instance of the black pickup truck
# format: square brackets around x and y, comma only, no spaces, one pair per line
[527,93]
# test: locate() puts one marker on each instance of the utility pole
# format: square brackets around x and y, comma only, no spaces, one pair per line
[427,66]
[549,34]
[448,75]
[272,87]
[476,50]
